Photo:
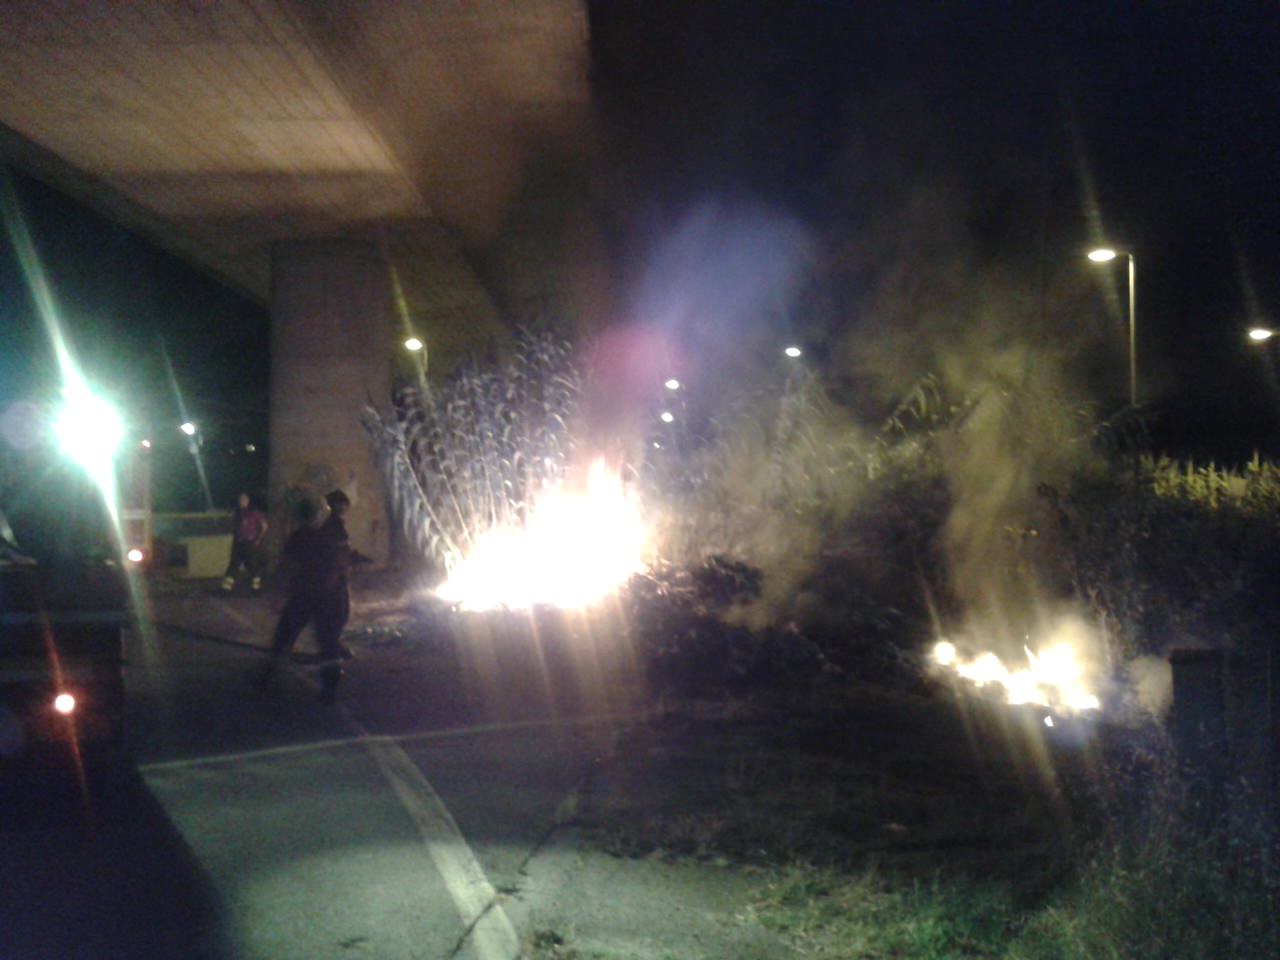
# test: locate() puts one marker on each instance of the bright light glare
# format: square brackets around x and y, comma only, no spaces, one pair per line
[1054,676]
[64,703]
[1259,334]
[793,352]
[575,549]
[89,430]
[672,384]
[134,555]
[1102,255]
[666,416]
[413,344]
[188,428]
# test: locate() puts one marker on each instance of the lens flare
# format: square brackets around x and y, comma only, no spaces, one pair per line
[88,428]
[576,548]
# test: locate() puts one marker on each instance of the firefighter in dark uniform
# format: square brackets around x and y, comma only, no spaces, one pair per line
[320,556]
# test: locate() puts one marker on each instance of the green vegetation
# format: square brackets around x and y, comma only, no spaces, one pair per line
[1170,893]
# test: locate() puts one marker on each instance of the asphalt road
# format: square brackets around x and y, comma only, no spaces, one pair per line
[431,814]
[248,826]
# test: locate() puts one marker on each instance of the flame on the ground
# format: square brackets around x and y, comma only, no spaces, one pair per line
[576,547]
[1054,676]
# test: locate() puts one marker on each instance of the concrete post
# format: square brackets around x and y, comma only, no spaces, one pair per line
[330,356]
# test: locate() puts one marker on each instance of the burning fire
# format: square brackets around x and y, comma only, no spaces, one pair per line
[575,548]
[1054,677]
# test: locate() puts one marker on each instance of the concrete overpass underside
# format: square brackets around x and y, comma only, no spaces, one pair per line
[300,150]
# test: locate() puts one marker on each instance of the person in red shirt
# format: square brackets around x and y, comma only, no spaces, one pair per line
[249,527]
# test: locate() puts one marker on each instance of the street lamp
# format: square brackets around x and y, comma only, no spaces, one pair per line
[1106,255]
[1261,334]
[793,351]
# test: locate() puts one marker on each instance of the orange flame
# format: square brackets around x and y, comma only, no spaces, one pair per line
[574,549]
[1054,677]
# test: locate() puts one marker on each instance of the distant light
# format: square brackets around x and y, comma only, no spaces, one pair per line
[657,445]
[413,344]
[666,416]
[64,703]
[1048,721]
[1259,334]
[147,444]
[250,448]
[1102,255]
[793,352]
[188,428]
[134,555]
[672,384]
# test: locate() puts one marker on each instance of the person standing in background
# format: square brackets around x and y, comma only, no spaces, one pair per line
[249,527]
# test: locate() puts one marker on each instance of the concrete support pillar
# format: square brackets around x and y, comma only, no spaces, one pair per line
[330,355]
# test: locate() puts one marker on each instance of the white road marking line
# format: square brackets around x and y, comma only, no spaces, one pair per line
[490,929]
[235,614]
[365,738]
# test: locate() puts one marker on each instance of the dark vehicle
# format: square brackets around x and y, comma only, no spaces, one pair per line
[61,656]
[63,609]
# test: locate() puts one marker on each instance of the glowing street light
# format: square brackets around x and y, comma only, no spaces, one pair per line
[188,428]
[667,416]
[413,344]
[1106,255]
[89,430]
[672,384]
[1261,334]
[793,352]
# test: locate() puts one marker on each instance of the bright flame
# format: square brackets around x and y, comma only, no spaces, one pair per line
[576,548]
[1054,676]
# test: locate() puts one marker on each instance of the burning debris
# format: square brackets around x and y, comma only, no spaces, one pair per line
[575,548]
[1055,676]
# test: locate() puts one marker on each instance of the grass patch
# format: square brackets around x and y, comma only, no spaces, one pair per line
[1187,897]
[910,831]
[828,914]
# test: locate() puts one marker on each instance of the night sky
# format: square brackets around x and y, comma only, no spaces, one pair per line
[1150,125]
[1154,124]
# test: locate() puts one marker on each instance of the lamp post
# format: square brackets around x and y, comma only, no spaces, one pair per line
[1106,255]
